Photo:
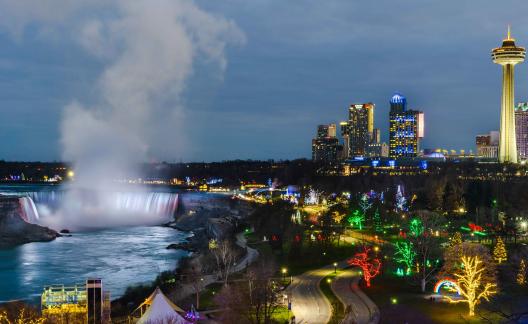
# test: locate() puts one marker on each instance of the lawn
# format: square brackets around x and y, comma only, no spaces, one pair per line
[399,302]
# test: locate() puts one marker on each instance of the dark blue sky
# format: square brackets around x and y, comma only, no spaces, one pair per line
[303,63]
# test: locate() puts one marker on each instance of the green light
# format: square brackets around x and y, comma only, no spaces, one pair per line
[394,300]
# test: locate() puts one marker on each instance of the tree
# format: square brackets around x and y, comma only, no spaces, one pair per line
[225,257]
[471,264]
[253,300]
[377,222]
[369,265]
[192,275]
[416,227]
[456,239]
[521,275]
[426,245]
[20,313]
[499,251]
[405,254]
[356,219]
[364,203]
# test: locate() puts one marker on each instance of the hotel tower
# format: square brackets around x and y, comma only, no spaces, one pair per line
[508,55]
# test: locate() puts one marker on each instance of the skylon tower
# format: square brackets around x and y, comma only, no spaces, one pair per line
[508,55]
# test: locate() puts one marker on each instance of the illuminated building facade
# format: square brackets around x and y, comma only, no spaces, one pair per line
[488,145]
[406,128]
[345,153]
[325,147]
[85,303]
[360,128]
[521,129]
[508,55]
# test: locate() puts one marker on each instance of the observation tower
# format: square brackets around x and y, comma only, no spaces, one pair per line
[508,55]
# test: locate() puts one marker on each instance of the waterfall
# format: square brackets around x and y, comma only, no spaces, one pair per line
[29,210]
[37,203]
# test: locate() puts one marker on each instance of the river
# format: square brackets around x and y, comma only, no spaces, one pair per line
[121,256]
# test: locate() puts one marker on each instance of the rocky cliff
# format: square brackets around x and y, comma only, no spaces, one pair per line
[14,230]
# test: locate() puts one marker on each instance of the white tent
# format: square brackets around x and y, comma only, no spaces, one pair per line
[161,311]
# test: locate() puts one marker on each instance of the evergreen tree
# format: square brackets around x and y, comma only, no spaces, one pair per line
[456,239]
[377,221]
[521,275]
[499,251]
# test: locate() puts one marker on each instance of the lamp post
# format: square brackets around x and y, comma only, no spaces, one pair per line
[335,267]
[284,271]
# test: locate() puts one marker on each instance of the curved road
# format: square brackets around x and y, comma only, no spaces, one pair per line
[362,309]
[309,305]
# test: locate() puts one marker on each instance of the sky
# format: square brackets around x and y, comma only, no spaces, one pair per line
[285,67]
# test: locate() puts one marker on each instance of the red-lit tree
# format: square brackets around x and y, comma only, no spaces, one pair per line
[370,266]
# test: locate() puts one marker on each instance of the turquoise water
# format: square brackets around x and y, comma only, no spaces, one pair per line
[120,256]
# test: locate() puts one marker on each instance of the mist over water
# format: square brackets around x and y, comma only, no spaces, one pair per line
[148,50]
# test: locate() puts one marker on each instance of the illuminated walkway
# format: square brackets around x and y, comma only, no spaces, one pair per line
[309,305]
[361,309]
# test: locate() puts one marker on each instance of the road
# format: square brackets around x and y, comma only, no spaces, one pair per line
[362,309]
[309,305]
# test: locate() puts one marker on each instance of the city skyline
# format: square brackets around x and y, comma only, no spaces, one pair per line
[269,99]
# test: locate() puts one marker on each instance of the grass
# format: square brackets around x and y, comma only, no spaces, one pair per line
[398,302]
[282,315]
[338,311]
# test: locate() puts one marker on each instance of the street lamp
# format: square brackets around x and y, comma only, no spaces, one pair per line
[335,267]
[284,271]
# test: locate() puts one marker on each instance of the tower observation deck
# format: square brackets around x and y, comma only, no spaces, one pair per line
[508,55]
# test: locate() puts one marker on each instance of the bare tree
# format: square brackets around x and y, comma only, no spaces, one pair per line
[253,300]
[426,246]
[225,257]
[193,275]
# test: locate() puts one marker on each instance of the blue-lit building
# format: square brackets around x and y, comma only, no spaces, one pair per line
[406,128]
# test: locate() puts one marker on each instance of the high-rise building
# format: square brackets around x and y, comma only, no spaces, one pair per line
[508,55]
[358,131]
[346,143]
[488,145]
[521,129]
[325,147]
[406,128]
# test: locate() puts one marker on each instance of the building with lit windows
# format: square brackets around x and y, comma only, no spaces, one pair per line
[360,128]
[345,153]
[521,129]
[406,128]
[488,145]
[325,147]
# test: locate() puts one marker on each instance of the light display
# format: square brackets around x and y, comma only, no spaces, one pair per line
[499,251]
[456,239]
[370,266]
[471,284]
[405,254]
[313,197]
[377,221]
[356,219]
[401,201]
[364,203]
[521,275]
[448,283]
[416,227]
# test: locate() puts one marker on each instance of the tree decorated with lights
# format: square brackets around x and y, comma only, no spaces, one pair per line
[377,221]
[370,266]
[416,227]
[356,219]
[499,251]
[474,271]
[521,275]
[401,201]
[423,227]
[405,254]
[364,203]
[456,239]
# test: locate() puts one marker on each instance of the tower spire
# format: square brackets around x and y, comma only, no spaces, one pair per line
[509,32]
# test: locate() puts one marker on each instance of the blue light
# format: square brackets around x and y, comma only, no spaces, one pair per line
[359,158]
[392,163]
[397,98]
[375,163]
